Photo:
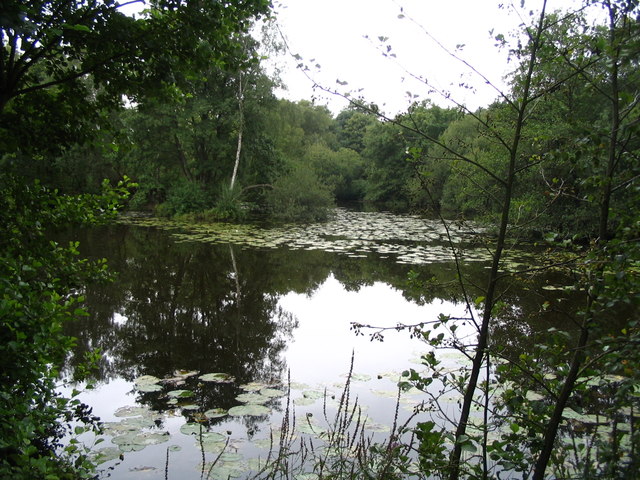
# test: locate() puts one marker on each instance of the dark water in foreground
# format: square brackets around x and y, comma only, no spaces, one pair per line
[182,307]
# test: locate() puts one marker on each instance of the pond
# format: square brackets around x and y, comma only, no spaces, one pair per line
[212,334]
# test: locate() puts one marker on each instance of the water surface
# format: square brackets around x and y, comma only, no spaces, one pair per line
[271,308]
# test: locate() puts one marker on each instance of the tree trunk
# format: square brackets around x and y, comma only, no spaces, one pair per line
[603,233]
[240,130]
[483,336]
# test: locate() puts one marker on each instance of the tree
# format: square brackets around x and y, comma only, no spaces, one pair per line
[64,67]
[499,161]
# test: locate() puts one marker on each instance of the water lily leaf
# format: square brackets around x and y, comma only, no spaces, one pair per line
[180,393]
[149,387]
[154,438]
[257,464]
[185,373]
[377,427]
[216,413]
[231,457]
[217,378]
[304,401]
[137,441]
[385,393]
[304,425]
[131,411]
[146,380]
[251,409]
[314,394]
[264,443]
[299,386]
[175,448]
[192,429]
[272,392]
[225,470]
[137,423]
[213,437]
[105,455]
[212,447]
[253,386]
[131,447]
[252,398]
[142,469]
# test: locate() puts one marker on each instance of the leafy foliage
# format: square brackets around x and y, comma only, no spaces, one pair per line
[38,277]
[299,196]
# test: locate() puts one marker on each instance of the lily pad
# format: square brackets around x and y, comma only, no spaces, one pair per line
[150,387]
[105,455]
[230,457]
[131,411]
[314,394]
[271,392]
[231,470]
[253,386]
[212,447]
[304,425]
[192,429]
[217,378]
[137,441]
[377,427]
[146,380]
[213,437]
[252,398]
[180,393]
[249,410]
[216,413]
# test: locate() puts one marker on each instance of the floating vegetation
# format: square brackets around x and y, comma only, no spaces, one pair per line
[180,394]
[148,383]
[272,392]
[135,441]
[217,378]
[249,410]
[131,411]
[192,429]
[252,398]
[106,454]
[313,394]
[411,239]
[139,425]
[360,377]
[216,413]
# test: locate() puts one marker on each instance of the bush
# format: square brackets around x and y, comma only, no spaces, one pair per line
[37,281]
[300,196]
[184,197]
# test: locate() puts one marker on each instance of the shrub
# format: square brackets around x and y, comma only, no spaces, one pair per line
[300,196]
[38,279]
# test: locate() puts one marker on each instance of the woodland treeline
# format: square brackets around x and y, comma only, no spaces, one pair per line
[186,142]
[171,111]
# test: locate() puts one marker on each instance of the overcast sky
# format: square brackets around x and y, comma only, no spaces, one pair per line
[333,34]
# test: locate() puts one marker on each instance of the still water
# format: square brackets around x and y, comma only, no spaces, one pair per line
[272,310]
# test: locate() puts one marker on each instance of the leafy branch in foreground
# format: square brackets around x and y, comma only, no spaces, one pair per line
[40,282]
